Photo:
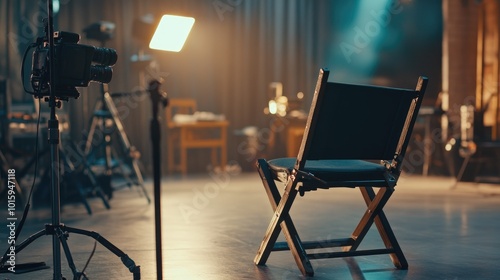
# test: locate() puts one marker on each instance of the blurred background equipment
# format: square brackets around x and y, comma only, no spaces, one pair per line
[287,121]
[100,150]
[190,129]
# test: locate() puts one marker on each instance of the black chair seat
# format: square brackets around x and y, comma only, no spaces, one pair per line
[333,170]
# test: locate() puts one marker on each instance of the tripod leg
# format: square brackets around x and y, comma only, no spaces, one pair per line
[23,245]
[140,180]
[63,238]
[90,136]
[24,267]
[126,144]
[126,260]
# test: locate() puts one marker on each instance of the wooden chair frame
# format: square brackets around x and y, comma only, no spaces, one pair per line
[298,179]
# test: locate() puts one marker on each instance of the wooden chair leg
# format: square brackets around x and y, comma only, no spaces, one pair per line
[374,207]
[213,156]
[223,148]
[183,160]
[289,230]
[223,156]
[386,233]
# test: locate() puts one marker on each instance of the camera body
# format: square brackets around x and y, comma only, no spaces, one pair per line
[75,65]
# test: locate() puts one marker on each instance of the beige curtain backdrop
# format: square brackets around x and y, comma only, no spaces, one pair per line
[235,50]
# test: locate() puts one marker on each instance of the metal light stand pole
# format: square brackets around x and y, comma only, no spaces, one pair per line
[53,137]
[157,97]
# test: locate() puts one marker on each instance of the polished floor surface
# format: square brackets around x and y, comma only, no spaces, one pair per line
[213,224]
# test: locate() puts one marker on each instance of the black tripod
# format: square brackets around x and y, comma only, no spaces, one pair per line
[106,120]
[58,230]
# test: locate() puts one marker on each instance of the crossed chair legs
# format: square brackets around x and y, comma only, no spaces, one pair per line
[281,205]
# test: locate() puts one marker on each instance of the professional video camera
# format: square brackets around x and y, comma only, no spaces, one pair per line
[75,65]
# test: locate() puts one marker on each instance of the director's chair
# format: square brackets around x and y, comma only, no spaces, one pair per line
[348,129]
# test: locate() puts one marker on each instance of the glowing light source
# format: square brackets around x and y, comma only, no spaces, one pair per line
[273,107]
[171,33]
[55,6]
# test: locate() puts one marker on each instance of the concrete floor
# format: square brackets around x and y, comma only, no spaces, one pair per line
[212,226]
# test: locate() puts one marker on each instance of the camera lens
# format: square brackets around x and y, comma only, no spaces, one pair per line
[102,74]
[105,56]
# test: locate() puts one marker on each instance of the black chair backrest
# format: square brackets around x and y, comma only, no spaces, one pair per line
[359,121]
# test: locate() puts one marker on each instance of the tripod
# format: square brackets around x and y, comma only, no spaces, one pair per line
[58,230]
[106,119]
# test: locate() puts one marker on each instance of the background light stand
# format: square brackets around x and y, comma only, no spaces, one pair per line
[106,119]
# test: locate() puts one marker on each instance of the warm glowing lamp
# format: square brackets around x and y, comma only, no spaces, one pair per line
[171,33]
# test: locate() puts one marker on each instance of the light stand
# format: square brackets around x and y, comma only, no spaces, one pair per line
[170,35]
[59,231]
[157,97]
